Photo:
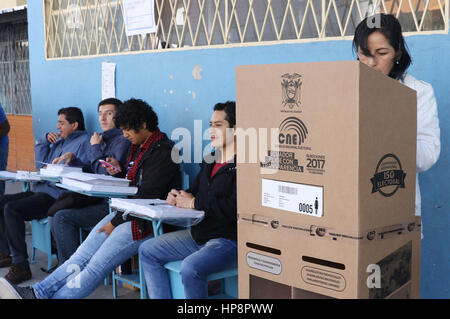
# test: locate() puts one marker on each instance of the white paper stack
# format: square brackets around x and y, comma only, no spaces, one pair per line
[58,170]
[155,208]
[98,183]
[29,176]
[20,175]
[5,175]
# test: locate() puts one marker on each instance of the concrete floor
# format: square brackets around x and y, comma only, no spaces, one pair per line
[102,292]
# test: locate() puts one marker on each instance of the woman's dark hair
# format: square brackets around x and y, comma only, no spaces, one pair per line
[111,100]
[390,27]
[73,114]
[229,108]
[133,113]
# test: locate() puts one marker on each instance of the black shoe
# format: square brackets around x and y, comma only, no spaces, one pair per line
[49,271]
[18,274]
[10,291]
[5,261]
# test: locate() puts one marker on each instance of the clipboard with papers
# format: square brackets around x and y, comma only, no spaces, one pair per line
[156,209]
[25,177]
[97,185]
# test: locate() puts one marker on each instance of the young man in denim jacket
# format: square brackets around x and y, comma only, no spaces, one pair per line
[73,211]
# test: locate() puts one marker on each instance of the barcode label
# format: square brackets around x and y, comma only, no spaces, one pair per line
[292,197]
[287,190]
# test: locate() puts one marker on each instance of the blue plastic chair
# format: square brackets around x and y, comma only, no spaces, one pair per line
[229,279]
[136,279]
[41,239]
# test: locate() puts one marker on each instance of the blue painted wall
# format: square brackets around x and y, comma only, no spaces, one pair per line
[165,80]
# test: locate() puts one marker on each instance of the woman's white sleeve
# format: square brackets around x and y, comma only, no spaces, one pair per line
[428,132]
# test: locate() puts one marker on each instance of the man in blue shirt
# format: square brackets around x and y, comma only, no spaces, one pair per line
[73,211]
[4,146]
[15,209]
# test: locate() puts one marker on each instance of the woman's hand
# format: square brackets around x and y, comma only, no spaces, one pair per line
[107,228]
[184,200]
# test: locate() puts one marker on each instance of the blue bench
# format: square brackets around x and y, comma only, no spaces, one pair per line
[229,278]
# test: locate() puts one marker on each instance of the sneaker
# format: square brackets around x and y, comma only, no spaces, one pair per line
[10,291]
[5,261]
[18,274]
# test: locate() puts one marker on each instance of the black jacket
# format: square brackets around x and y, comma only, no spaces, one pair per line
[217,197]
[156,176]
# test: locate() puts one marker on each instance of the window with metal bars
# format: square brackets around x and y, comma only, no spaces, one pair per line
[15,96]
[75,28]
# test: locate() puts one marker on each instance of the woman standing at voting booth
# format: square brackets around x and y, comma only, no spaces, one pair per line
[379,44]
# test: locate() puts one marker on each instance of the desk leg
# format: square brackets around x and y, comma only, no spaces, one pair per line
[26,186]
[157,228]
[142,281]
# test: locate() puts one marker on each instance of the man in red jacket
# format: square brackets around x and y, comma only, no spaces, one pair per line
[209,246]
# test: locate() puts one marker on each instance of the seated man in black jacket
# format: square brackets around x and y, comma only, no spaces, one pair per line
[209,246]
[113,240]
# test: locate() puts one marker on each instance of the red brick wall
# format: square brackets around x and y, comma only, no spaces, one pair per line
[21,143]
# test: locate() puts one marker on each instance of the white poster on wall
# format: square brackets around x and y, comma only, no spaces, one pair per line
[108,80]
[139,16]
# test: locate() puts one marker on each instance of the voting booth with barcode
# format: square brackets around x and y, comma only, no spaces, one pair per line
[328,210]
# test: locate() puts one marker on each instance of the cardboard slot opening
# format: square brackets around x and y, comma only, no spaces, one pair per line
[261,288]
[264,248]
[305,294]
[323,262]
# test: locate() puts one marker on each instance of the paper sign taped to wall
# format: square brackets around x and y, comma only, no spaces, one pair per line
[108,80]
[139,16]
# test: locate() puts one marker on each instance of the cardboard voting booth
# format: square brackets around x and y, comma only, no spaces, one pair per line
[327,209]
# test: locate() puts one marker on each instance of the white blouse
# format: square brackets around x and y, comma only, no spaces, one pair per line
[428,132]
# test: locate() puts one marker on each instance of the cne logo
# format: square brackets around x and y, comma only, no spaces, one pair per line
[291,85]
[293,132]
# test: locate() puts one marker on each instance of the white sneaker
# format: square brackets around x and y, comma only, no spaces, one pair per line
[7,290]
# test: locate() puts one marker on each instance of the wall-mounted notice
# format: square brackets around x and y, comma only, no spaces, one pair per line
[139,16]
[108,80]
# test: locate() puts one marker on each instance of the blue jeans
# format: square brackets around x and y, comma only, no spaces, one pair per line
[198,262]
[66,224]
[95,259]
[3,163]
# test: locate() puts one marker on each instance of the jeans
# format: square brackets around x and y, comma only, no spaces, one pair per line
[66,224]
[198,262]
[95,259]
[4,247]
[16,209]
[3,163]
